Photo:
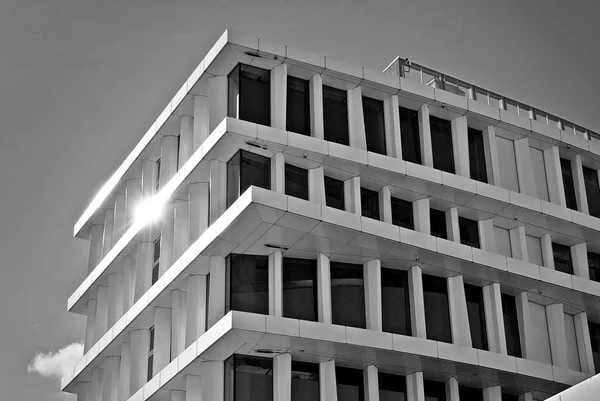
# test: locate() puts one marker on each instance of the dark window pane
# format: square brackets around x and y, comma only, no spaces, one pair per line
[567,176]
[335,115]
[402,213]
[511,326]
[592,190]
[149,371]
[248,283]
[437,312]
[245,169]
[305,381]
[509,397]
[392,387]
[350,385]
[470,393]
[233,178]
[298,106]
[151,342]
[369,201]
[469,232]
[395,302]
[155,273]
[476,313]
[347,295]
[156,249]
[253,378]
[562,258]
[374,125]
[434,391]
[438,223]
[300,288]
[594,266]
[334,193]
[296,181]
[409,135]
[595,339]
[250,94]
[441,143]
[477,155]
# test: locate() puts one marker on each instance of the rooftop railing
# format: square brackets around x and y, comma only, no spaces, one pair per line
[424,75]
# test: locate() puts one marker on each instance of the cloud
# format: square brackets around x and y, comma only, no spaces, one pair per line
[56,364]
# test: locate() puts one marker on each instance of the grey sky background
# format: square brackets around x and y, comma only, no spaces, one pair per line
[82,80]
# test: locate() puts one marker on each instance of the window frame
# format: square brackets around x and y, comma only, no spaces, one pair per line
[331,184]
[369,203]
[465,227]
[558,255]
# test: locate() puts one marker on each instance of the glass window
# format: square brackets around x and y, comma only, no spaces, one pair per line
[335,115]
[369,201]
[511,325]
[509,397]
[334,193]
[350,386]
[245,169]
[434,390]
[469,232]
[300,289]
[347,294]
[248,283]
[305,381]
[470,393]
[441,143]
[437,220]
[476,313]
[392,387]
[250,94]
[150,369]
[395,301]
[158,166]
[595,339]
[567,176]
[296,181]
[477,166]
[594,266]
[592,189]
[409,135]
[437,312]
[248,378]
[156,260]
[374,125]
[298,106]
[402,213]
[562,258]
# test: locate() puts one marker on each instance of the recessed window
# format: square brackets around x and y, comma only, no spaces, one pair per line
[511,326]
[296,181]
[395,301]
[250,94]
[441,143]
[248,283]
[562,258]
[437,311]
[392,387]
[334,193]
[347,294]
[156,260]
[470,393]
[300,289]
[434,390]
[245,169]
[369,201]
[595,340]
[402,213]
[350,385]
[374,125]
[476,313]
[469,232]
[567,176]
[248,378]
[594,266]
[437,220]
[335,115]
[150,369]
[409,135]
[298,106]
[477,166]
[592,189]
[305,381]
[158,166]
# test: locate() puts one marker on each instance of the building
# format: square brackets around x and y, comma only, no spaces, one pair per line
[331,231]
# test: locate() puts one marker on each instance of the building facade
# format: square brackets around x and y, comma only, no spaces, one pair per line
[295,228]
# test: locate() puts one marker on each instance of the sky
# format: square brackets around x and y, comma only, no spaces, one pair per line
[82,80]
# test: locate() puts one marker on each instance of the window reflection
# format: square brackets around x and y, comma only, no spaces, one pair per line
[296,181]
[478,170]
[350,385]
[402,213]
[369,201]
[248,283]
[392,387]
[248,378]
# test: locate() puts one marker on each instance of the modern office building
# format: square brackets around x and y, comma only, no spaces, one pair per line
[296,228]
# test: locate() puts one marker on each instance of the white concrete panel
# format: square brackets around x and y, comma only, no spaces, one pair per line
[422,215]
[490,149]
[316,186]
[139,346]
[282,377]
[459,318]
[276,283]
[534,250]
[278,96]
[217,101]
[556,191]
[417,303]
[539,173]
[571,340]
[356,120]
[186,139]
[556,330]
[124,373]
[95,252]
[425,130]
[317,129]
[324,289]
[502,241]
[196,308]
[525,174]
[508,165]
[452,393]
[494,321]
[518,243]
[372,288]
[371,380]
[198,204]
[584,346]
[415,390]
[162,338]
[200,129]
[90,325]
[578,181]
[178,322]
[327,382]
[216,290]
[393,140]
[580,260]
[540,348]
[460,144]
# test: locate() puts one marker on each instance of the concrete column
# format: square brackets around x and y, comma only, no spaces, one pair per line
[276,283]
[181,235]
[452,393]
[452,226]
[177,395]
[493,393]
[385,204]
[162,338]
[371,380]
[279,96]
[133,193]
[95,254]
[316,186]
[425,130]
[115,297]
[491,155]
[278,173]
[580,260]
[352,195]
[391,115]
[422,215]
[282,377]
[139,347]
[178,322]
[213,373]
[525,174]
[327,382]
[148,178]
[372,287]
[167,232]
[317,129]
[143,269]
[460,146]
[494,320]
[526,397]
[556,329]
[217,101]
[524,319]
[128,281]
[459,318]
[324,289]
[169,158]
[90,325]
[415,389]
[84,391]
[356,119]
[101,313]
[547,254]
[584,344]
[196,308]
[110,379]
[186,139]
[97,387]
[124,373]
[107,239]
[216,300]
[218,189]
[120,218]
[201,129]
[579,183]
[556,190]
[193,387]
[198,203]
[518,243]
[417,303]
[487,237]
